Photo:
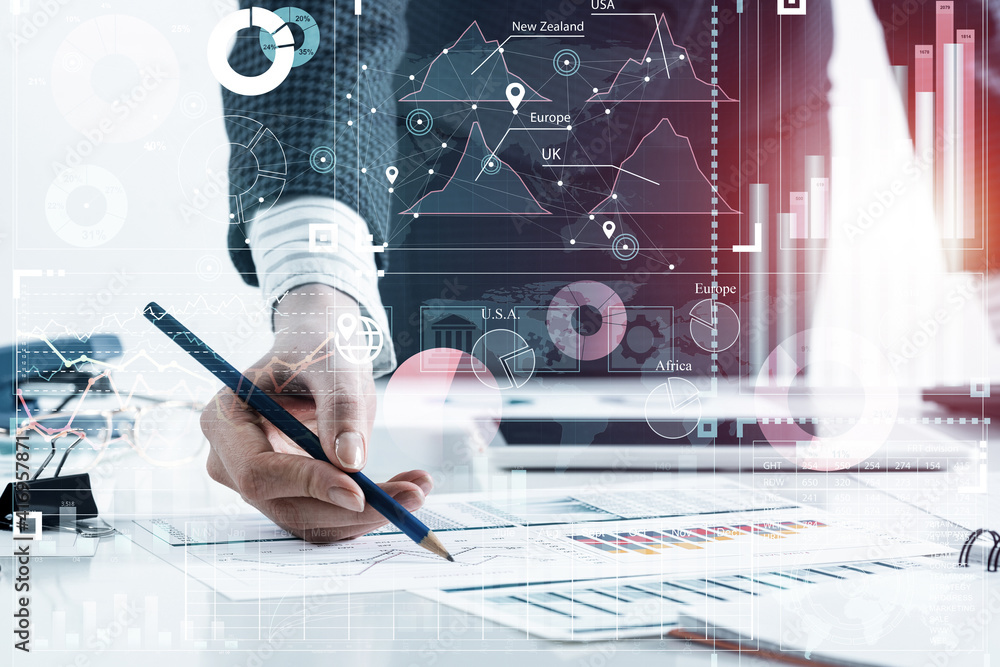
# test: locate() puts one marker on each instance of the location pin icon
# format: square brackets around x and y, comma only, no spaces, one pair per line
[347,323]
[609,228]
[391,173]
[515,93]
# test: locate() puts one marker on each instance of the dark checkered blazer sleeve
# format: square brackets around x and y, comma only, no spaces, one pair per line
[310,108]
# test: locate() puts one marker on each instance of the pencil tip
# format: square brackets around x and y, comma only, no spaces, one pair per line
[433,544]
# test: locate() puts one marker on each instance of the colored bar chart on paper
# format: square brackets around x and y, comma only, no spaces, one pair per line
[494,537]
[652,542]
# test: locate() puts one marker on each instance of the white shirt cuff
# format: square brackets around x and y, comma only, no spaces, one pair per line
[320,240]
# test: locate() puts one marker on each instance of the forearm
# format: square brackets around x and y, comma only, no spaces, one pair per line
[311,108]
[321,243]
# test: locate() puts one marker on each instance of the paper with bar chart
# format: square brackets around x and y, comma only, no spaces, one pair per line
[653,605]
[539,536]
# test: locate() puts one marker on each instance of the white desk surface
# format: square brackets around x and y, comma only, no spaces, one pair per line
[73,601]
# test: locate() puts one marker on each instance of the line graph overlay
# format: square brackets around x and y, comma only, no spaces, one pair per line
[458,73]
[671,180]
[482,184]
[663,74]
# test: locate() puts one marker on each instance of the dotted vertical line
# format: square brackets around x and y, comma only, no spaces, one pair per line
[715,188]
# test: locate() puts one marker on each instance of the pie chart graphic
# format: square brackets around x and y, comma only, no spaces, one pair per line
[293,16]
[507,358]
[86,206]
[431,395]
[707,315]
[673,409]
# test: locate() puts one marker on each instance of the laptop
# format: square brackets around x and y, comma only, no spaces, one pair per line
[608,425]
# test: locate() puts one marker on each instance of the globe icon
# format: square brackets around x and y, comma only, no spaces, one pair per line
[359,339]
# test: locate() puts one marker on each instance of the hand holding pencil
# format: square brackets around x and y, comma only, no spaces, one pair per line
[272,461]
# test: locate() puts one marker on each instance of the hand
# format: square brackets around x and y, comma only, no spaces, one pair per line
[336,399]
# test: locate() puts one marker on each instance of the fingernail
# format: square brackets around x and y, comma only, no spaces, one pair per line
[411,500]
[346,499]
[350,450]
[425,483]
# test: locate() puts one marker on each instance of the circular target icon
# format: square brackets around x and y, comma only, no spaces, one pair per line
[193,105]
[301,21]
[209,268]
[491,165]
[323,159]
[625,247]
[566,62]
[86,206]
[419,122]
[72,62]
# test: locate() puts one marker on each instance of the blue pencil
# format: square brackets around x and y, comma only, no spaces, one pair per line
[271,410]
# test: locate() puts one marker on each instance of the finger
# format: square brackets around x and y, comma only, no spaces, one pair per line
[259,473]
[406,493]
[342,415]
[421,478]
[217,470]
[316,521]
[308,516]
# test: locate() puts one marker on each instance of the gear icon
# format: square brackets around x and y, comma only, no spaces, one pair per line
[641,337]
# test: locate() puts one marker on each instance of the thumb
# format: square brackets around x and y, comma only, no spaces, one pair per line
[343,417]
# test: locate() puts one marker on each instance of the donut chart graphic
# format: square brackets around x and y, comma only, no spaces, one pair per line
[218,47]
[835,443]
[310,34]
[253,184]
[86,206]
[566,310]
[116,72]
[422,395]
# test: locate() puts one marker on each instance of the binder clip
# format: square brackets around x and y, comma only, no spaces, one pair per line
[49,498]
[992,561]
